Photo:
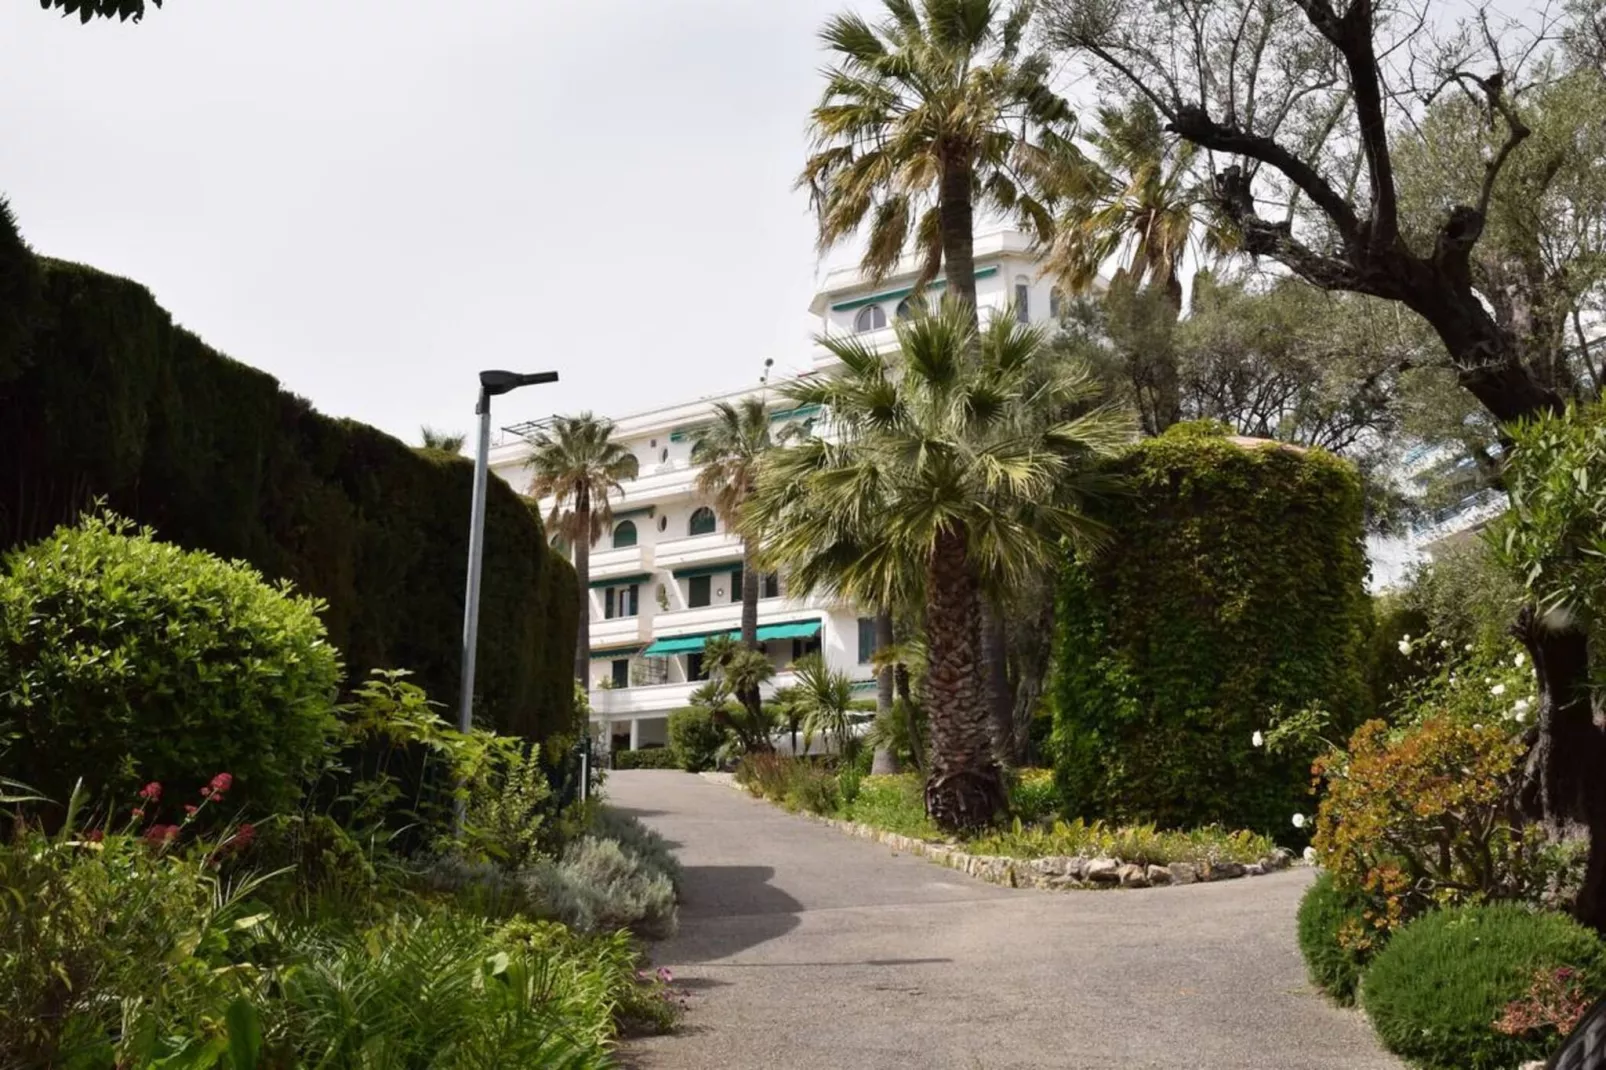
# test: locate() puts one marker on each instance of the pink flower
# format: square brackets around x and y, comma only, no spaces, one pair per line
[242,838]
[151,792]
[137,813]
[220,783]
[95,835]
[161,834]
[664,975]
[190,810]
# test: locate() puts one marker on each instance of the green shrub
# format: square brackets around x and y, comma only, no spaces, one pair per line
[631,835]
[1437,990]
[1141,844]
[124,660]
[896,803]
[694,738]
[767,775]
[645,758]
[1033,795]
[104,397]
[599,886]
[1336,938]
[812,788]
[1234,587]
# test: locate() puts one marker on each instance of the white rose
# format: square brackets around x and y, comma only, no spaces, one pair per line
[1521,705]
[1519,716]
[1476,728]
[1497,690]
[1258,740]
[1310,855]
[1405,646]
[1469,648]
[1299,821]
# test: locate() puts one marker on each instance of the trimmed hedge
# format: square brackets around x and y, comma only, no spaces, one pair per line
[102,396]
[1233,585]
[1436,991]
[646,758]
[1332,931]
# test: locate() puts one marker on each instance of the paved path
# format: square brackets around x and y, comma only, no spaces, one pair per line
[805,948]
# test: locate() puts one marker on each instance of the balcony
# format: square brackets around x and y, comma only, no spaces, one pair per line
[628,561]
[658,482]
[729,615]
[619,631]
[655,700]
[715,548]
[1471,512]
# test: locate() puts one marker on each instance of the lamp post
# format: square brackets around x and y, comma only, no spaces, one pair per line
[492,383]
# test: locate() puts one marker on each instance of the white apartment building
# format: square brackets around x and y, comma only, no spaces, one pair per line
[667,576]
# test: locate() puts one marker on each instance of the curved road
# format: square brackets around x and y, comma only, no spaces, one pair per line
[805,948]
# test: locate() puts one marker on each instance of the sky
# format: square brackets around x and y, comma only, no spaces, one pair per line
[374,199]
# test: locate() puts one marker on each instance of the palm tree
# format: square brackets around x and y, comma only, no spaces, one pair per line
[440,440]
[731,449]
[824,699]
[579,466]
[736,670]
[925,117]
[942,440]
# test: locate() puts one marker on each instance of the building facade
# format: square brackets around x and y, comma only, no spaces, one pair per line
[667,575]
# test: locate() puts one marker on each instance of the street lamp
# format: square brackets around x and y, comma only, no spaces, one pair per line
[491,384]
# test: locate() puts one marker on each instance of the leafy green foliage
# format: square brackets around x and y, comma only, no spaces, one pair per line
[1435,992]
[1336,938]
[105,398]
[1233,589]
[694,738]
[895,803]
[135,660]
[1554,536]
[1142,844]
[1033,795]
[646,758]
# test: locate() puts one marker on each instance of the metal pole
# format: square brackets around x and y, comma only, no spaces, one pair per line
[476,553]
[471,598]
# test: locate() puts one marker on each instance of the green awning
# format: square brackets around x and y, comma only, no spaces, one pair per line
[889,295]
[787,414]
[707,570]
[683,644]
[621,581]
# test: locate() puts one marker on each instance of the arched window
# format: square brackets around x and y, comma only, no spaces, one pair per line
[1023,299]
[910,307]
[870,318]
[624,534]
[702,522]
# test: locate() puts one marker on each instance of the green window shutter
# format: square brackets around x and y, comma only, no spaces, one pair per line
[866,640]
[621,672]
[607,604]
[736,586]
[699,591]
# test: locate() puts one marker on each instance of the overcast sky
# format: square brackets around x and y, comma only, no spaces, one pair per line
[373,199]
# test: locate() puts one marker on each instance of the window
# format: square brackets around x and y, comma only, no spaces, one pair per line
[866,640]
[621,672]
[802,648]
[621,601]
[870,318]
[624,535]
[769,585]
[607,603]
[663,457]
[699,591]
[694,666]
[702,522]
[736,586]
[1023,302]
[910,307]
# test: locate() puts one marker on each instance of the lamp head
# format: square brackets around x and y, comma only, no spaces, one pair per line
[500,382]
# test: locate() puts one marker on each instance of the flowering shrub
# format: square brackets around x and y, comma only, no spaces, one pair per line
[1424,816]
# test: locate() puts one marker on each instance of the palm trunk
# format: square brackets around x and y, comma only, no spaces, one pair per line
[964,788]
[884,760]
[956,217]
[582,572]
[750,697]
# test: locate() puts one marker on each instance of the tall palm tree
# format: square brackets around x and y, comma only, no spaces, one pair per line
[579,466]
[926,116]
[942,439]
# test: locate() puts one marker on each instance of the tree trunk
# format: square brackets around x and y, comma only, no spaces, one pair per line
[582,573]
[884,760]
[956,217]
[993,648]
[1565,777]
[1032,652]
[964,787]
[911,714]
[751,698]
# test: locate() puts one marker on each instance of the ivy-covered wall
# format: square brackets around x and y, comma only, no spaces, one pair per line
[1233,587]
[102,396]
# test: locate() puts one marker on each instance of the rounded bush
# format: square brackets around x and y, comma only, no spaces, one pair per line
[125,660]
[694,738]
[1334,938]
[1437,990]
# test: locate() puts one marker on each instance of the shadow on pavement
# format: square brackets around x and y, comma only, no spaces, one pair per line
[728,909]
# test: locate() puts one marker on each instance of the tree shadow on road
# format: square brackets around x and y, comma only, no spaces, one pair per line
[728,909]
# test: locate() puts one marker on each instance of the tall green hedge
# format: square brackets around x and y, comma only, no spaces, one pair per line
[1233,585]
[102,396]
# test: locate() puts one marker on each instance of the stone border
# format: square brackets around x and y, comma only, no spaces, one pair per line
[1059,872]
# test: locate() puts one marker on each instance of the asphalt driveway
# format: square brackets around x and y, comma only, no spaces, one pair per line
[805,948]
